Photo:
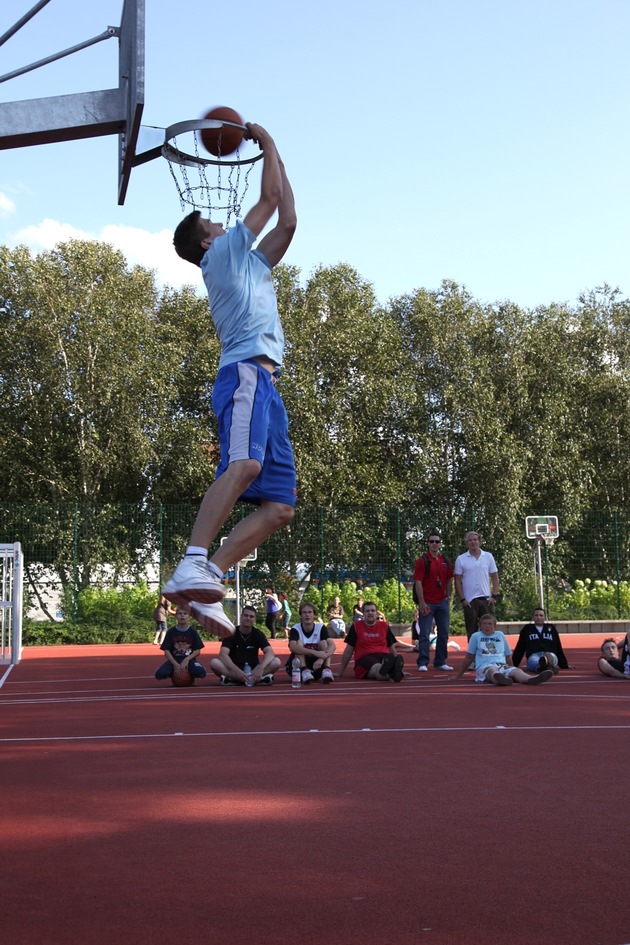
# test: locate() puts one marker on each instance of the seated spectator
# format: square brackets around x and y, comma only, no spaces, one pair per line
[336,623]
[373,645]
[492,656]
[310,643]
[182,645]
[540,643]
[357,611]
[242,649]
[611,662]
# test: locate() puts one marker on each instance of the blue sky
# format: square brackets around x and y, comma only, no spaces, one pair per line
[485,141]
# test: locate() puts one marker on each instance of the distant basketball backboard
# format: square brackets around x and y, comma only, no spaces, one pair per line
[545,526]
[84,114]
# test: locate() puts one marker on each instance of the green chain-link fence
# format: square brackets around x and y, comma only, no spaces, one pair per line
[72,546]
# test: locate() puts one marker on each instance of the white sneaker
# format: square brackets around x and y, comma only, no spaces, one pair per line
[422,669]
[193,580]
[327,675]
[307,676]
[445,668]
[212,618]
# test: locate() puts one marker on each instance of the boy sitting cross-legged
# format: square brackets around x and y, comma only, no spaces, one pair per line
[182,645]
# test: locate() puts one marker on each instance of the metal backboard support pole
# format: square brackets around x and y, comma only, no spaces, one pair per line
[85,114]
[11,579]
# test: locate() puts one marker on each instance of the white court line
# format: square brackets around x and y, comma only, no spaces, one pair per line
[321,731]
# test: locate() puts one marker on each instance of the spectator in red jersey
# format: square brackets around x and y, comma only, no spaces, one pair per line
[373,646]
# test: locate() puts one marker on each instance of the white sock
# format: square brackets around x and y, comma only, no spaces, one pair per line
[197,550]
[215,569]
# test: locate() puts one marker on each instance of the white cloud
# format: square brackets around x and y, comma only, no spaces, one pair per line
[153,251]
[7,207]
[47,234]
[140,247]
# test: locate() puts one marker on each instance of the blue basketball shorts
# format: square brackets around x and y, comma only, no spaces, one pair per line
[253,424]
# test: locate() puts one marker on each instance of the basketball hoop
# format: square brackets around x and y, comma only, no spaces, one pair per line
[216,184]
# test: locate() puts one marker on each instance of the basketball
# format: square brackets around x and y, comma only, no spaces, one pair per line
[183,679]
[222,141]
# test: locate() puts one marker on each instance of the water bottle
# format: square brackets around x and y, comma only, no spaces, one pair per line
[296,674]
[249,678]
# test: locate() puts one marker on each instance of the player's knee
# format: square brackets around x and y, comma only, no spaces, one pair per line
[283,514]
[245,471]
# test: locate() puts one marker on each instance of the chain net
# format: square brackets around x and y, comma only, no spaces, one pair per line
[216,185]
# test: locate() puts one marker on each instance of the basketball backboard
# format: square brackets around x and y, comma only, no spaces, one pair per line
[545,526]
[131,86]
[85,114]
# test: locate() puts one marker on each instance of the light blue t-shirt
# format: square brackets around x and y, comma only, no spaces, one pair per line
[242,298]
[488,650]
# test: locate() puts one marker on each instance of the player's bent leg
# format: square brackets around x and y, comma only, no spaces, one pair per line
[266,677]
[251,532]
[498,678]
[519,676]
[217,667]
[165,671]
[220,499]
[390,668]
[540,678]
[196,669]
[552,663]
[374,673]
[534,662]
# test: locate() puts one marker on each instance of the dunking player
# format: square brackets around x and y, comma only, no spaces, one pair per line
[256,462]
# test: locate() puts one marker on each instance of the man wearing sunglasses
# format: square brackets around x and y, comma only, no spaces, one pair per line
[433,579]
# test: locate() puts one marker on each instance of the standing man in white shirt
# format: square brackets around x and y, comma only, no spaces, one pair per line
[476,582]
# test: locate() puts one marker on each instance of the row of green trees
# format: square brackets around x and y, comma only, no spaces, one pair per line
[433,402]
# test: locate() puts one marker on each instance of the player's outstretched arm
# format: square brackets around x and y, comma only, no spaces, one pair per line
[275,244]
[271,181]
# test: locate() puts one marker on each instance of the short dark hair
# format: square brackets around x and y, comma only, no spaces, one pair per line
[250,607]
[608,640]
[187,238]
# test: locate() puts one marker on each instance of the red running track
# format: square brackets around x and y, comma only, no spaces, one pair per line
[431,811]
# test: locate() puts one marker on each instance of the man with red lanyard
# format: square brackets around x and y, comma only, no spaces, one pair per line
[433,577]
[373,645]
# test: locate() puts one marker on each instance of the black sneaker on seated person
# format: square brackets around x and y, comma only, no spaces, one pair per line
[387,665]
[543,664]
[396,672]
